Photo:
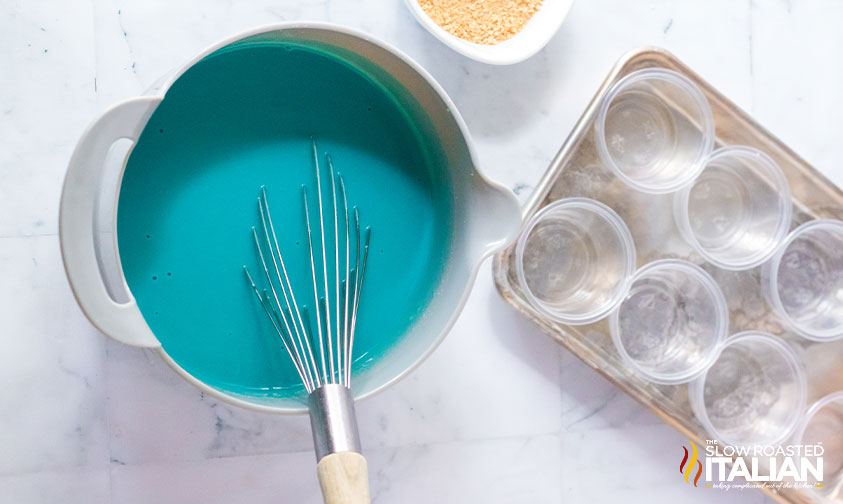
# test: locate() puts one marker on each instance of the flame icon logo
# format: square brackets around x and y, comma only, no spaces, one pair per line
[687,466]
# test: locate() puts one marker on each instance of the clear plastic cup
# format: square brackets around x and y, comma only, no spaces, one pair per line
[823,425]
[672,322]
[654,129]
[803,281]
[574,260]
[738,209]
[753,393]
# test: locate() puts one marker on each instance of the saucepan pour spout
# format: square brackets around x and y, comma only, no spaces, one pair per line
[497,213]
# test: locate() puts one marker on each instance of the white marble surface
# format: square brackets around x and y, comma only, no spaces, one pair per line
[83,419]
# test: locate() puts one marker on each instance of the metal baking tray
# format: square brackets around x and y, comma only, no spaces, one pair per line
[577,171]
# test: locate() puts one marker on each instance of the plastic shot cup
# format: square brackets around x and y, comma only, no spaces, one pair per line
[823,425]
[737,211]
[754,392]
[672,322]
[574,260]
[654,130]
[803,281]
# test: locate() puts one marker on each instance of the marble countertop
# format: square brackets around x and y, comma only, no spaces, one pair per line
[84,419]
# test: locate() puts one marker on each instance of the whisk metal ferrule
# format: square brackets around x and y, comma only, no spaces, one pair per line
[333,421]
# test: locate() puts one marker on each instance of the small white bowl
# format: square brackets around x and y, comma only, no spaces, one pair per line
[530,40]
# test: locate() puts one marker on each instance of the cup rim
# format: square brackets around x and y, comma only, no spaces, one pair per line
[812,410]
[799,434]
[707,129]
[627,245]
[696,388]
[772,274]
[785,216]
[721,326]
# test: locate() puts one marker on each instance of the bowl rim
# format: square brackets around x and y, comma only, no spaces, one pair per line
[489,54]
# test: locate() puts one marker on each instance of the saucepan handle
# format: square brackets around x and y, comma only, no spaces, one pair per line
[121,321]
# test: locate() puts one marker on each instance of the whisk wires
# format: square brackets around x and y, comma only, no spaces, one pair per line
[323,356]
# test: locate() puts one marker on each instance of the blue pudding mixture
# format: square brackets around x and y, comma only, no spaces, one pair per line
[243,118]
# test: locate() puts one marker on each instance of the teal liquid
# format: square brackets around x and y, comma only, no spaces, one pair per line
[243,118]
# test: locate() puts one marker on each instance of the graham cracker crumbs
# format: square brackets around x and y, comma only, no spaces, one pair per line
[481,21]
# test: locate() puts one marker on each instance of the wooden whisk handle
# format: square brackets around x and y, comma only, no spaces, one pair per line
[344,478]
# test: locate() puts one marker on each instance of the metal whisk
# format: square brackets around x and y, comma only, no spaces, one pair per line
[322,358]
